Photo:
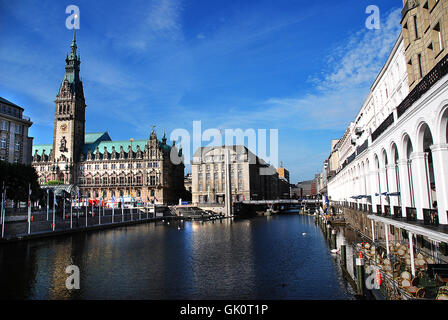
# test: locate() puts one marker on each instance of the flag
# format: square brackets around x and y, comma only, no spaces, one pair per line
[54,197]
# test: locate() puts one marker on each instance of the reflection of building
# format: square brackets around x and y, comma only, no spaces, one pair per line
[246,173]
[15,145]
[99,166]
[188,182]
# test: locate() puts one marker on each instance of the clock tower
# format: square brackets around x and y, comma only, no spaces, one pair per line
[69,119]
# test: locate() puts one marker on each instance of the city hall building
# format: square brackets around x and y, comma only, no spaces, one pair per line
[99,166]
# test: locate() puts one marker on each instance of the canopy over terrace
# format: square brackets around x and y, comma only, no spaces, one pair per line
[439,234]
[63,190]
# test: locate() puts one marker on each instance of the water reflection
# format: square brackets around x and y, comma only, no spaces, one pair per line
[263,258]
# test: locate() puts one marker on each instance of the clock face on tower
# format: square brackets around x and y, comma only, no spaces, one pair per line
[63,127]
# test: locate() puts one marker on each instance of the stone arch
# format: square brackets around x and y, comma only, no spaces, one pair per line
[384,158]
[443,124]
[407,146]
[424,142]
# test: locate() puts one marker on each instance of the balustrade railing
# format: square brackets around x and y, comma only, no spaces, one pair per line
[397,212]
[431,217]
[439,71]
[379,210]
[383,127]
[411,214]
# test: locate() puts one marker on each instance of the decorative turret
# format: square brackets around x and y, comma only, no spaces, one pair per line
[164,137]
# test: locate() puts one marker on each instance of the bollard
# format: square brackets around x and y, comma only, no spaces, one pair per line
[360,275]
[344,255]
[328,231]
[333,239]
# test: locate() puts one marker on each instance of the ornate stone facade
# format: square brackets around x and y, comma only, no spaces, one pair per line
[99,166]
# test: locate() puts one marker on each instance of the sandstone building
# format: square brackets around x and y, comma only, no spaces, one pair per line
[208,176]
[15,145]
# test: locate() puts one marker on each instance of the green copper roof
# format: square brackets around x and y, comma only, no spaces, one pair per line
[101,140]
[125,144]
[41,147]
[96,137]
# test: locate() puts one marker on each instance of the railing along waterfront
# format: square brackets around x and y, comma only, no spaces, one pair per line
[397,212]
[438,72]
[383,127]
[379,211]
[430,217]
[411,214]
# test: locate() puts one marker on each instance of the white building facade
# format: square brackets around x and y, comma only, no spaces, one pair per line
[399,164]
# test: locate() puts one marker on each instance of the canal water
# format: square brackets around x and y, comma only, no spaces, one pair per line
[260,258]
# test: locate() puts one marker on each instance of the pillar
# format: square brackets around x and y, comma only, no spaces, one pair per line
[421,182]
[344,255]
[383,187]
[411,250]
[386,231]
[333,239]
[360,275]
[393,186]
[440,160]
[374,189]
[404,186]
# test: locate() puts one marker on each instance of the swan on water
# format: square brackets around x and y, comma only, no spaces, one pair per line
[304,234]
[334,251]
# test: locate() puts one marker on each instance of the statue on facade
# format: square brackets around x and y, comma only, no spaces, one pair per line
[63,147]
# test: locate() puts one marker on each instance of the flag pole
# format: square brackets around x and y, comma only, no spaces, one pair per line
[29,208]
[122,209]
[86,211]
[3,212]
[54,210]
[99,211]
[113,207]
[71,211]
[48,203]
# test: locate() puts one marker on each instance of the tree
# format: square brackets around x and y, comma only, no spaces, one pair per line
[17,177]
[53,183]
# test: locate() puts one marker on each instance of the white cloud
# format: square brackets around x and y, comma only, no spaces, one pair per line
[341,87]
[358,60]
[164,15]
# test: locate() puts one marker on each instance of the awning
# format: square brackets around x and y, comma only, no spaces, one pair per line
[418,230]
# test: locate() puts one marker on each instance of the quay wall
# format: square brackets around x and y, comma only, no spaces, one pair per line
[358,221]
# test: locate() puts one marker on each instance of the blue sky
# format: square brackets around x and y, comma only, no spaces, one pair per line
[301,67]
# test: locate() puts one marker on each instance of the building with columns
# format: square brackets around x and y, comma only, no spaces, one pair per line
[99,166]
[394,156]
[251,178]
